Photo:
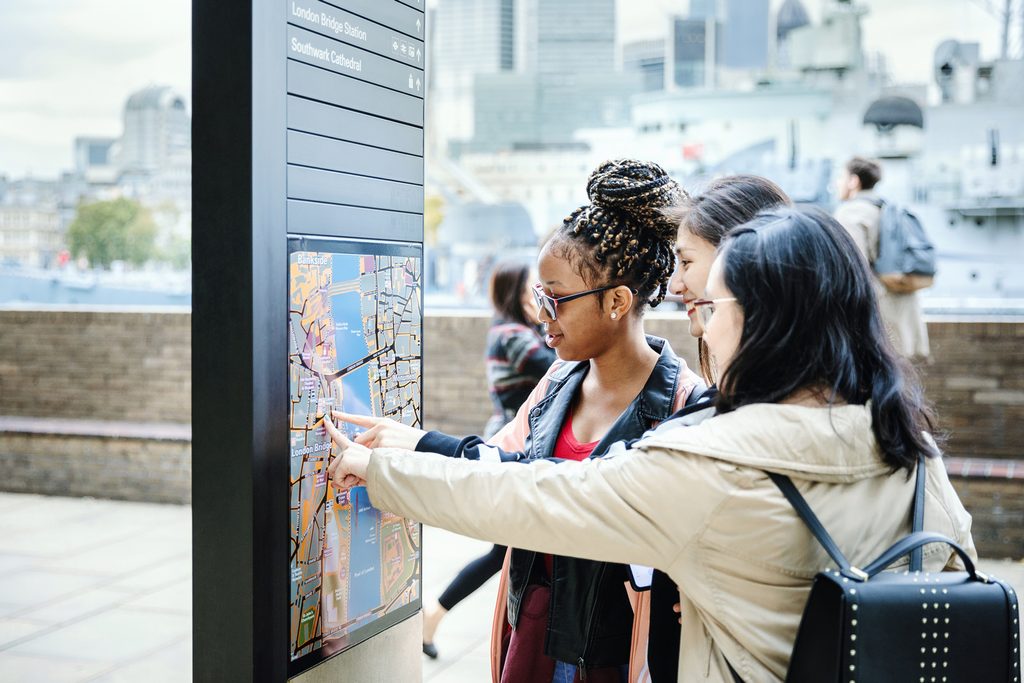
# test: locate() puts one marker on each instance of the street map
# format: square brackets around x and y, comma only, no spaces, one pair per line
[354,345]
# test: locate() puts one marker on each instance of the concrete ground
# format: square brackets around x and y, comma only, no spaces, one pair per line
[100,591]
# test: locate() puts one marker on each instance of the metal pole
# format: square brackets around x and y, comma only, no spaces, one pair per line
[1005,42]
[1020,53]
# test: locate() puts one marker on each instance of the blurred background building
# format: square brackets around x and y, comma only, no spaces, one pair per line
[775,88]
[149,164]
[527,96]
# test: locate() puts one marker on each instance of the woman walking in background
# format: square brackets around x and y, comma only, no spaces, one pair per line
[517,358]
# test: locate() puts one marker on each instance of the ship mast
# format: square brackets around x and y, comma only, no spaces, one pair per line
[1006,14]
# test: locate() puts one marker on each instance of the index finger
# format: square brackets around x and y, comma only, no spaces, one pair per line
[358,420]
[336,436]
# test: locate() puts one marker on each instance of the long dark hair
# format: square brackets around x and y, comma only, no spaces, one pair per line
[623,236]
[725,203]
[508,282]
[811,321]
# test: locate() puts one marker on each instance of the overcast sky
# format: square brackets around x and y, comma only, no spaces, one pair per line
[67,66]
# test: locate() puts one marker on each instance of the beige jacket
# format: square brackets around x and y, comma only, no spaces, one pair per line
[901,313]
[696,503]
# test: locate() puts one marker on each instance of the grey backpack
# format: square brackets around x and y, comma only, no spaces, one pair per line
[906,257]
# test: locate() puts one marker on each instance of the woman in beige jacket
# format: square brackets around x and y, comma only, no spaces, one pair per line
[810,387]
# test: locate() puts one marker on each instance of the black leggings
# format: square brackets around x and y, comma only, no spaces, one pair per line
[472,576]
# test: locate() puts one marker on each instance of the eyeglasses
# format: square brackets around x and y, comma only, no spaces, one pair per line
[549,304]
[706,307]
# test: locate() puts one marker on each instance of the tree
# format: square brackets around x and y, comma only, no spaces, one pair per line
[116,230]
[177,252]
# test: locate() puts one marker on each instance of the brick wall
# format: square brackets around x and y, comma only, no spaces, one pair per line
[997,511]
[136,367]
[976,381]
[96,365]
[96,375]
[151,470]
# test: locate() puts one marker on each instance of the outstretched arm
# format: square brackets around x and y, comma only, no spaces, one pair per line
[383,432]
[623,509]
[505,446]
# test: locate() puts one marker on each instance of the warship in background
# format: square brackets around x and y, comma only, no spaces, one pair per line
[735,91]
[957,162]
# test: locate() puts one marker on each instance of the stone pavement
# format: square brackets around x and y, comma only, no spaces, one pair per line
[94,590]
[100,591]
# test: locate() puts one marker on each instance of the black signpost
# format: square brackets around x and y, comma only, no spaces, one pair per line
[307,135]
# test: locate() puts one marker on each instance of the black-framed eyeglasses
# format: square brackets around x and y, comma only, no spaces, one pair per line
[549,304]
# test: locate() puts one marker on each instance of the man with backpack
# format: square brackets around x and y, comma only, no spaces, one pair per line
[900,254]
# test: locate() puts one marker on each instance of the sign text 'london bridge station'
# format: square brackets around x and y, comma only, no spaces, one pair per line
[327,37]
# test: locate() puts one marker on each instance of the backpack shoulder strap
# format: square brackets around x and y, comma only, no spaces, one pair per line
[874,201]
[789,490]
[700,394]
[815,526]
[917,521]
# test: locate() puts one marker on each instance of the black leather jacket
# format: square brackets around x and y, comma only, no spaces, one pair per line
[591,620]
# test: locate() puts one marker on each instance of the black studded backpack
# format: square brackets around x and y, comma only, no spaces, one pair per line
[867,625]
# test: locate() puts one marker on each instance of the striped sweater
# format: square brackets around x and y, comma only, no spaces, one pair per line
[517,359]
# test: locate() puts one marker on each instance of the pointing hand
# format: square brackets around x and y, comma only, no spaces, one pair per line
[349,467]
[382,432]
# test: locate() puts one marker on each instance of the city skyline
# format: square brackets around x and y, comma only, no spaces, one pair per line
[54,90]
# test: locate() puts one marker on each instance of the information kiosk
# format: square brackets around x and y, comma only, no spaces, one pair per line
[307,270]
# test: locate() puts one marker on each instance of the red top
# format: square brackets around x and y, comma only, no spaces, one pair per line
[568,448]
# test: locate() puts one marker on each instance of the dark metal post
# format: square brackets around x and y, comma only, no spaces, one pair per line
[283,144]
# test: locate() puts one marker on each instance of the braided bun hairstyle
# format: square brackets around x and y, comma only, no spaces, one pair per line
[623,236]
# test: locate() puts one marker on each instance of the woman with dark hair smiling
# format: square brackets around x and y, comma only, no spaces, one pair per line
[704,221]
[809,387]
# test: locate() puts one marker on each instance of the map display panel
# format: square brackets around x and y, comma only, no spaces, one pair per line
[355,324]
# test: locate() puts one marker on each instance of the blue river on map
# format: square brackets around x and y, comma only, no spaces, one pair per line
[350,343]
[364,569]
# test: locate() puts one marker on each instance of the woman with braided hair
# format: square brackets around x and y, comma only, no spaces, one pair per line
[572,619]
